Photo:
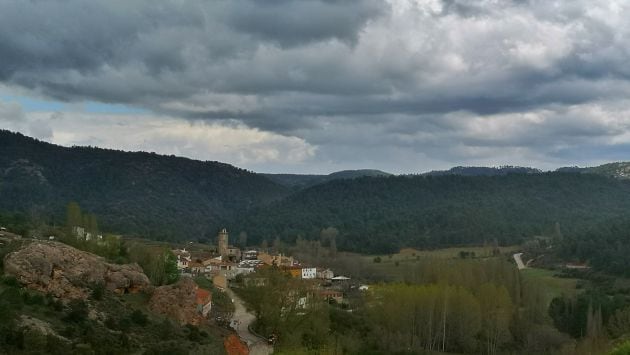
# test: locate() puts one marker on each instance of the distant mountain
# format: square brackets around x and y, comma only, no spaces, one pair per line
[620,170]
[302,181]
[484,171]
[138,193]
[571,169]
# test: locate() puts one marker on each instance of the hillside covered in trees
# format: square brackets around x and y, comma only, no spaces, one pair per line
[383,214]
[135,193]
[171,198]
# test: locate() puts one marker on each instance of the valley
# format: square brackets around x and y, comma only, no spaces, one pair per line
[354,262]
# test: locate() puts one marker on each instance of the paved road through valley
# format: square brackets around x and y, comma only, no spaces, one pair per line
[519,261]
[243,319]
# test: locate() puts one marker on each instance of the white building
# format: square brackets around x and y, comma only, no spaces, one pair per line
[183,258]
[309,273]
[250,255]
[325,274]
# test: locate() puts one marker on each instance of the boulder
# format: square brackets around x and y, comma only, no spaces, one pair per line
[68,273]
[177,301]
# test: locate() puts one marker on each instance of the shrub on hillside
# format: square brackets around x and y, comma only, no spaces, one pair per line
[139,318]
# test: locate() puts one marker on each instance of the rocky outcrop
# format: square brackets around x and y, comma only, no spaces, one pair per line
[177,301]
[37,325]
[66,272]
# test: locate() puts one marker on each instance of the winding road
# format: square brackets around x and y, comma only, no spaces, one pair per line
[257,345]
[519,261]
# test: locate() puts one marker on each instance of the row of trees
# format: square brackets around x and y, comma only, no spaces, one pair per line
[76,218]
[451,305]
[462,305]
[442,317]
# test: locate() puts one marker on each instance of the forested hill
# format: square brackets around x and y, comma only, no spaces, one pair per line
[166,197]
[484,171]
[383,214]
[138,193]
[300,181]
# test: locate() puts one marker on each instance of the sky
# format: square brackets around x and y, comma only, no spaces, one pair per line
[315,86]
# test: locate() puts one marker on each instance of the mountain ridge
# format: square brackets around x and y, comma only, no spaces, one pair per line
[173,198]
[137,193]
[306,180]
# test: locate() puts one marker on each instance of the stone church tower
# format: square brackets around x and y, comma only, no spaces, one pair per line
[223,244]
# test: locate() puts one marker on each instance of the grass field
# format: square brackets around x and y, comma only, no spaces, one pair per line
[401,266]
[409,255]
[555,286]
[398,266]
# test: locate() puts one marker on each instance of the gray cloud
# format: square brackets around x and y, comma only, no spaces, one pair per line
[291,23]
[414,78]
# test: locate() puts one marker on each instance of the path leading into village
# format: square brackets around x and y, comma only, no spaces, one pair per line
[519,261]
[243,319]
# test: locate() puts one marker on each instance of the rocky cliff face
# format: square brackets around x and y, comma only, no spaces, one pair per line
[177,301]
[66,272]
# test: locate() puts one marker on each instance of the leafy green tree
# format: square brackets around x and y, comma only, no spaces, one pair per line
[619,323]
[170,267]
[74,216]
[158,263]
[284,306]
[92,224]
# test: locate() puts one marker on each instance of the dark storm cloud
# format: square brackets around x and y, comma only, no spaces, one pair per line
[105,50]
[417,76]
[291,23]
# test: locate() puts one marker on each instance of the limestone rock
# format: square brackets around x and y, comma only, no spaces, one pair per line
[177,301]
[68,273]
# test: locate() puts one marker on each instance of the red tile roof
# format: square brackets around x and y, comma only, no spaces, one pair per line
[203,296]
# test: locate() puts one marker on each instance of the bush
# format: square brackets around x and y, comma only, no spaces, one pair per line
[193,333]
[68,332]
[55,345]
[7,315]
[13,298]
[139,318]
[377,259]
[55,304]
[166,348]
[77,311]
[111,323]
[125,324]
[33,299]
[11,281]
[98,290]
[622,349]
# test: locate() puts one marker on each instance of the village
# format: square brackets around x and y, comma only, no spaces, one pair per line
[229,264]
